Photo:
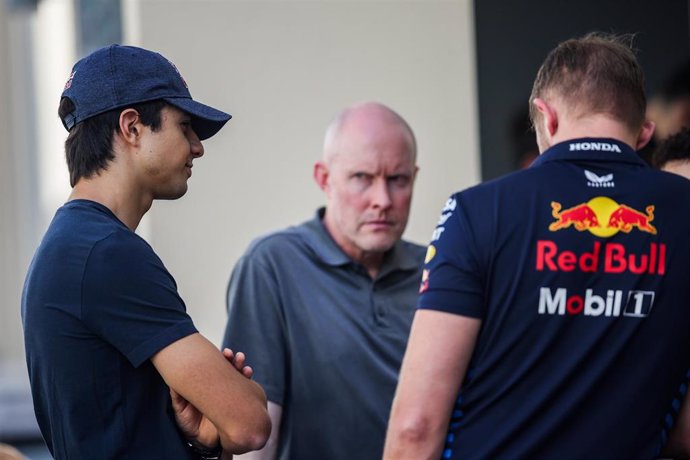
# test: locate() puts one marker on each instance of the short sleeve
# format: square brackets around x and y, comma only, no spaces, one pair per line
[130,299]
[256,324]
[452,275]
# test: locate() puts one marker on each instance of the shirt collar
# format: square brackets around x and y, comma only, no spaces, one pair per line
[321,242]
[590,148]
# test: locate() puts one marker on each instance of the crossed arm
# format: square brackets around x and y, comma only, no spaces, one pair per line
[270,450]
[213,396]
[438,353]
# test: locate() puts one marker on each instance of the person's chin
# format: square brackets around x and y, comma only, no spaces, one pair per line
[382,243]
[172,194]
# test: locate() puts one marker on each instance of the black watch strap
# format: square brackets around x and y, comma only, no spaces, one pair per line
[204,453]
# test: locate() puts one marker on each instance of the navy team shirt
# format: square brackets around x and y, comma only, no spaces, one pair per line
[97,304]
[579,268]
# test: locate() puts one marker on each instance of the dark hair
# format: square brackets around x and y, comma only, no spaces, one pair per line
[597,73]
[676,147]
[89,145]
[676,85]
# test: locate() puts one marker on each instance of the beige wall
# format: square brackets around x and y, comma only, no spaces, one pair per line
[35,56]
[283,69]
[8,259]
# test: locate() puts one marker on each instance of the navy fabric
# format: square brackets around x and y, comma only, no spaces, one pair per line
[325,340]
[97,304]
[579,269]
[117,76]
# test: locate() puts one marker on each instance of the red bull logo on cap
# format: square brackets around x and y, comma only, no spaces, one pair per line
[68,84]
[602,217]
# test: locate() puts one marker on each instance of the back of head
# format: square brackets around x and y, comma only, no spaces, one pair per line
[595,74]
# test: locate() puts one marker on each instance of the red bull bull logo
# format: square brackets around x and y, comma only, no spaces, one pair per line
[582,217]
[602,217]
[625,218]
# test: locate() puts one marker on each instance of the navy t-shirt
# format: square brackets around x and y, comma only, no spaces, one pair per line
[97,304]
[579,268]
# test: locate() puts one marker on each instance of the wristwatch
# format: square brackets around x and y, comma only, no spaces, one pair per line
[205,453]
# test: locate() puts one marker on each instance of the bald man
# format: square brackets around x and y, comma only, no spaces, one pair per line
[323,309]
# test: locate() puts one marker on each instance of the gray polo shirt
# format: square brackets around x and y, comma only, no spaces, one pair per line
[325,340]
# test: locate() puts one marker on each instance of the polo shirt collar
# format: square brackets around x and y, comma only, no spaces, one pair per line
[321,242]
[591,149]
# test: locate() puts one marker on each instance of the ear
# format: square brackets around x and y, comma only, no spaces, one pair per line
[321,175]
[129,126]
[549,116]
[645,134]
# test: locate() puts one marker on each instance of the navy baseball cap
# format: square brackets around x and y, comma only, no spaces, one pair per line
[117,76]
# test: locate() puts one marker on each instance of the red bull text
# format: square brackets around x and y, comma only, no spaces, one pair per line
[607,257]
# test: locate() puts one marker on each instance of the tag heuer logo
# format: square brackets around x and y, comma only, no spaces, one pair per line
[599,181]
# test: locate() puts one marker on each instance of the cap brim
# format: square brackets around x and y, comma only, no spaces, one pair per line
[206,120]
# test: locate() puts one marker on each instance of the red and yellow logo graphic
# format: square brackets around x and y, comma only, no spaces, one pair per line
[430,253]
[425,281]
[602,217]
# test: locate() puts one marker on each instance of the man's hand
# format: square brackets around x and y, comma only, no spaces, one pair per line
[193,424]
[238,360]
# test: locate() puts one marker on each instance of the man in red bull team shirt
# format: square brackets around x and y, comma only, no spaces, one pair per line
[553,318]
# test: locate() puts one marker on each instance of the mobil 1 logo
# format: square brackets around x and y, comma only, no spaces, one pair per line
[612,303]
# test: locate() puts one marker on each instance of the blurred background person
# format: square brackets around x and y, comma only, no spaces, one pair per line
[673,155]
[669,108]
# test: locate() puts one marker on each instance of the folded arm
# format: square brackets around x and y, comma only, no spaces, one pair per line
[270,450]
[230,403]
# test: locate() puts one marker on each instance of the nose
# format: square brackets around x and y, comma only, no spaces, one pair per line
[380,194]
[196,146]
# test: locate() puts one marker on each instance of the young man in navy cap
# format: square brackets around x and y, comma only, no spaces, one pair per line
[108,339]
[553,316]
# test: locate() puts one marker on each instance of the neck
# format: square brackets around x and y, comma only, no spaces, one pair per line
[370,260]
[595,126]
[125,203]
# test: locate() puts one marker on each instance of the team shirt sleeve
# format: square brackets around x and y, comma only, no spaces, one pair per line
[452,279]
[131,300]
